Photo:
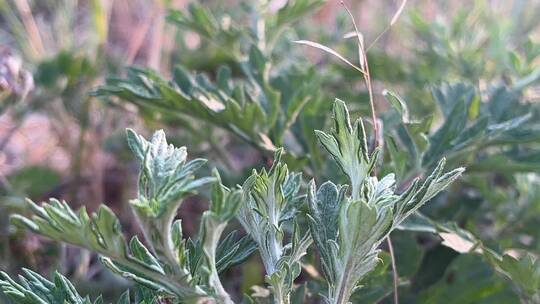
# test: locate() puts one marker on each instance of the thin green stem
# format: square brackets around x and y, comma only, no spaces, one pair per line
[280,295]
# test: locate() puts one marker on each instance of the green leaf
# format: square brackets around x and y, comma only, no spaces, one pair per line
[418,194]
[398,104]
[32,288]
[455,101]
[231,252]
[525,272]
[348,147]
[271,198]
[448,96]
[468,280]
[34,181]
[324,205]
[399,157]
[293,10]
[195,96]
[223,207]
[165,178]
[101,232]
[35,289]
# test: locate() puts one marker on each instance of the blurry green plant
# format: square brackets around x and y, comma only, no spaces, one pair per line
[254,93]
[63,65]
[496,137]
[481,134]
[50,65]
[50,58]
[447,48]
[501,49]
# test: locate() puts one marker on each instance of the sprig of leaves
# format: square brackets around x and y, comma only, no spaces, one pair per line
[226,35]
[348,229]
[469,126]
[251,96]
[252,108]
[165,178]
[223,207]
[101,232]
[348,146]
[32,288]
[166,265]
[524,272]
[270,199]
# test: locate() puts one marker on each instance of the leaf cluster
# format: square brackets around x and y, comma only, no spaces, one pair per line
[169,265]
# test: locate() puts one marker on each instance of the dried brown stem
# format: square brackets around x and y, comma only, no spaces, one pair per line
[362,57]
[395,275]
[31,27]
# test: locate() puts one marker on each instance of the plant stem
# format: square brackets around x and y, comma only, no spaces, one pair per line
[394,269]
[343,290]
[280,296]
[364,64]
[31,28]
[210,246]
[367,76]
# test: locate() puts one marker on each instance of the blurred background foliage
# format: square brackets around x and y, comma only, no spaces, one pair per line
[454,79]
